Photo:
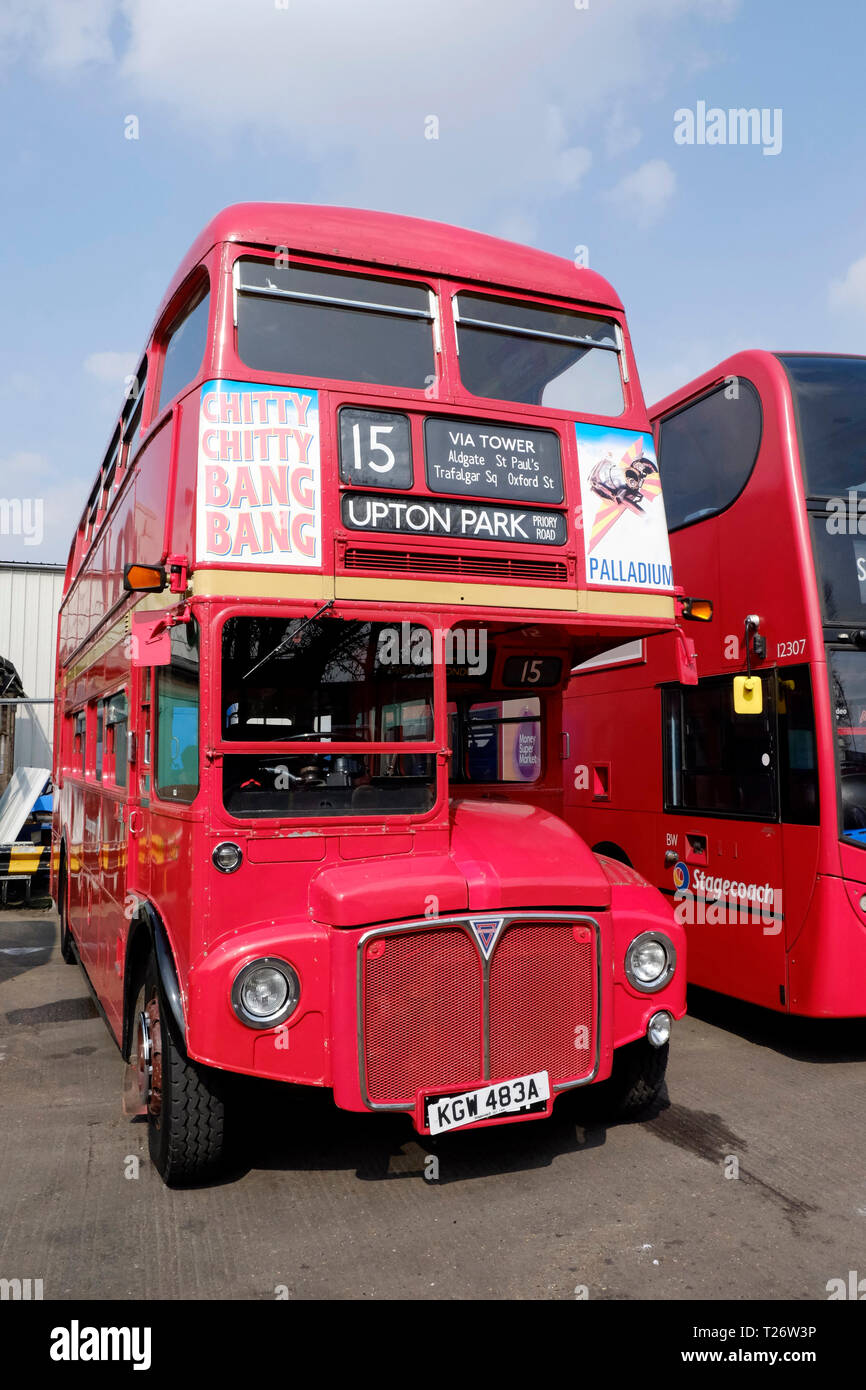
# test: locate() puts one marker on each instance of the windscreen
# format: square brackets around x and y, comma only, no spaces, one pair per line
[514,351]
[840,564]
[829,395]
[848,691]
[830,404]
[310,321]
[320,683]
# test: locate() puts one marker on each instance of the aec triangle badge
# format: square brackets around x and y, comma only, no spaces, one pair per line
[486,931]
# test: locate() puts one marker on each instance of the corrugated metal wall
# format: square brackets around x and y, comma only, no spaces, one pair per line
[29,600]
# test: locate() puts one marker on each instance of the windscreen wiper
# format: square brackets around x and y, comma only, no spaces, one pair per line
[290,639]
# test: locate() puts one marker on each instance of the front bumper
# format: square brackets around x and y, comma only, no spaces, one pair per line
[391,1015]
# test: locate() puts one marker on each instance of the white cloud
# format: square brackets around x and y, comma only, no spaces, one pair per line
[111,367]
[849,293]
[65,35]
[621,134]
[572,164]
[45,504]
[21,386]
[517,226]
[645,193]
[347,86]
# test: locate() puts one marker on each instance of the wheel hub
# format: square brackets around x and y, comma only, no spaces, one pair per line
[142,1086]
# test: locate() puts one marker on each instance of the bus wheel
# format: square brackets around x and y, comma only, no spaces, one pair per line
[67,950]
[184,1102]
[637,1078]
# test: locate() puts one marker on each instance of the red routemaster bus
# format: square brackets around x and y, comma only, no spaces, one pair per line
[320,610]
[750,808]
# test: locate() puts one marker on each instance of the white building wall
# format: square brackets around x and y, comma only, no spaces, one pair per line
[29,602]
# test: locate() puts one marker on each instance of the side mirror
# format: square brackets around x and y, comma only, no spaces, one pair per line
[748,695]
[144,579]
[697,610]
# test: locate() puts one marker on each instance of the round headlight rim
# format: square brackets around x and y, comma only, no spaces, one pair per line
[223,868]
[293,998]
[659,1014]
[667,974]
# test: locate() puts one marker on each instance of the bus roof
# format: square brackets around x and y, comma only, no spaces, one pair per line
[400,243]
[737,362]
[732,366]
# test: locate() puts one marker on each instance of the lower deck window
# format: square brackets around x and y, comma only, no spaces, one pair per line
[760,766]
[496,740]
[718,762]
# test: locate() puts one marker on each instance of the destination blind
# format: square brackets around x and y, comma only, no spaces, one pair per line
[491,459]
[422,516]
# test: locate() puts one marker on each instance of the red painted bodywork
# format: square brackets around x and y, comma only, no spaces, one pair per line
[308,892]
[754,557]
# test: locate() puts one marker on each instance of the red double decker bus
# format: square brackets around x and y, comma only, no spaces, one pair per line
[750,805]
[319,615]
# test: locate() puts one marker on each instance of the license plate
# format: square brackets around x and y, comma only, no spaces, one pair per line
[526,1095]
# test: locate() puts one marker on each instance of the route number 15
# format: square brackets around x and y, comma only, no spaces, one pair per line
[375,448]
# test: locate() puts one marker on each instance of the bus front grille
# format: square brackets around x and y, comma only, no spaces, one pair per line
[422,1013]
[542,996]
[435,1014]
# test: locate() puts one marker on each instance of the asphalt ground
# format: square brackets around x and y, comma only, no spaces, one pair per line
[747,1182]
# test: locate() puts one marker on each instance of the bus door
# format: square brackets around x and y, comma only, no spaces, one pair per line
[140,786]
[87,902]
[798,793]
[721,838]
[110,869]
[172,772]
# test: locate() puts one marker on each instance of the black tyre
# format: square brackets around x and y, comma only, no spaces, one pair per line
[67,950]
[186,1106]
[637,1078]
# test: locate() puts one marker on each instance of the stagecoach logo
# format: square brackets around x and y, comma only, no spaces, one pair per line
[486,931]
[625,534]
[681,876]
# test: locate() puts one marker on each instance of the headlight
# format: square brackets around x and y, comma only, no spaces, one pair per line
[265,993]
[659,1028]
[227,857]
[650,961]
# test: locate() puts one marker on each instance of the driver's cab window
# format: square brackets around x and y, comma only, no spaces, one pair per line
[318,692]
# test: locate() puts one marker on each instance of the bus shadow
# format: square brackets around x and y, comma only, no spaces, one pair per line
[816,1040]
[288,1129]
[26,941]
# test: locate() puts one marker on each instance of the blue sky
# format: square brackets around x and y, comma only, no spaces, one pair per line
[556,127]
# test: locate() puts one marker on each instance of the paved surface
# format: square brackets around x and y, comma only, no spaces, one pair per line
[336,1205]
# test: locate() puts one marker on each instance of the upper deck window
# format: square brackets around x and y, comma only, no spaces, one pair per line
[185,347]
[513,351]
[132,412]
[707,452]
[830,401]
[306,321]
